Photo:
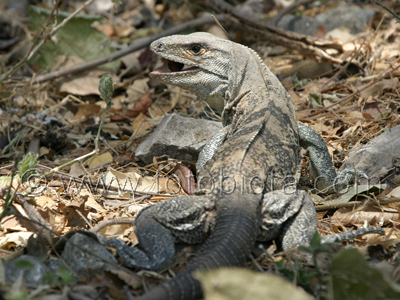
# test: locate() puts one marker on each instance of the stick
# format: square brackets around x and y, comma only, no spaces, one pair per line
[136,45]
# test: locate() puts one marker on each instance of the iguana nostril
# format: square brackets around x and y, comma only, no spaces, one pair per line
[160,46]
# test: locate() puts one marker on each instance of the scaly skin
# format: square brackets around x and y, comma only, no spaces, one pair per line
[248,182]
[249,150]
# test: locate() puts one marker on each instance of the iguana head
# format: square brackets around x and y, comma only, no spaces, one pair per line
[199,62]
[217,71]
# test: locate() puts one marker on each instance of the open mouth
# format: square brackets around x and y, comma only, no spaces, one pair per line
[176,67]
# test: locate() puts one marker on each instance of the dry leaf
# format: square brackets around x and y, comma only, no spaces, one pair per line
[90,202]
[43,202]
[371,215]
[137,89]
[378,88]
[132,181]
[104,158]
[140,106]
[186,178]
[87,110]
[14,239]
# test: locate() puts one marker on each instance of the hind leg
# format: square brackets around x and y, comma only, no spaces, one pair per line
[289,217]
[158,227]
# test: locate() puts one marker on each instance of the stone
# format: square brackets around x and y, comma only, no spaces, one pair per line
[178,137]
[375,159]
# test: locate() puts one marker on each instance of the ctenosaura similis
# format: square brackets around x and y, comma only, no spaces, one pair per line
[247,181]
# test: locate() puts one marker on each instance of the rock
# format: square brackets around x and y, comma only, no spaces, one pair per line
[375,158]
[34,270]
[351,17]
[178,137]
[83,263]
[299,24]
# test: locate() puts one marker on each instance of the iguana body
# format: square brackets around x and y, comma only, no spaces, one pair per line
[250,179]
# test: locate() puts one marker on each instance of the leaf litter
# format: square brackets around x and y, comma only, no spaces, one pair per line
[75,198]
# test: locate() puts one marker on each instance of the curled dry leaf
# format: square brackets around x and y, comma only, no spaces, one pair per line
[141,106]
[370,214]
[186,178]
[134,182]
[14,239]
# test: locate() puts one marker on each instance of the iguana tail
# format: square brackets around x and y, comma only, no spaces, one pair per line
[229,245]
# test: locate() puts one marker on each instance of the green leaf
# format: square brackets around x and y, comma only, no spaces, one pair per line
[315,242]
[29,162]
[352,277]
[77,38]
[23,264]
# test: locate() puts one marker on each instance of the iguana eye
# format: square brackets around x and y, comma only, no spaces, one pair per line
[195,49]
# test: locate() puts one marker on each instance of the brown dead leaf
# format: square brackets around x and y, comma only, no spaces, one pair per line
[379,111]
[76,170]
[11,223]
[369,214]
[114,230]
[106,28]
[130,280]
[186,178]
[395,193]
[320,127]
[100,159]
[45,202]
[378,88]
[90,202]
[134,181]
[12,240]
[137,89]
[296,100]
[81,86]
[140,106]
[353,117]
[139,120]
[87,110]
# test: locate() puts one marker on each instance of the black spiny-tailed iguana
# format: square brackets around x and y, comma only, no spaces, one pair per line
[249,178]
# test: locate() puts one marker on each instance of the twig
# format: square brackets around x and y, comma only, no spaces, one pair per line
[31,52]
[389,10]
[103,224]
[275,35]
[342,68]
[287,9]
[136,45]
[131,201]
[61,25]
[346,99]
[222,27]
[353,203]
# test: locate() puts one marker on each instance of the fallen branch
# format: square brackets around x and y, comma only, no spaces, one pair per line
[317,114]
[302,43]
[37,46]
[354,204]
[134,46]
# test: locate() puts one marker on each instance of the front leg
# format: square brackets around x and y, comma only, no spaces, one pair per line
[211,147]
[158,227]
[326,179]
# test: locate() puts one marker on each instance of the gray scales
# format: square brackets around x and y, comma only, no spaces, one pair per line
[248,171]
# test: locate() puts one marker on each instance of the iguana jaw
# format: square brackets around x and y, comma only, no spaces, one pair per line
[175,69]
